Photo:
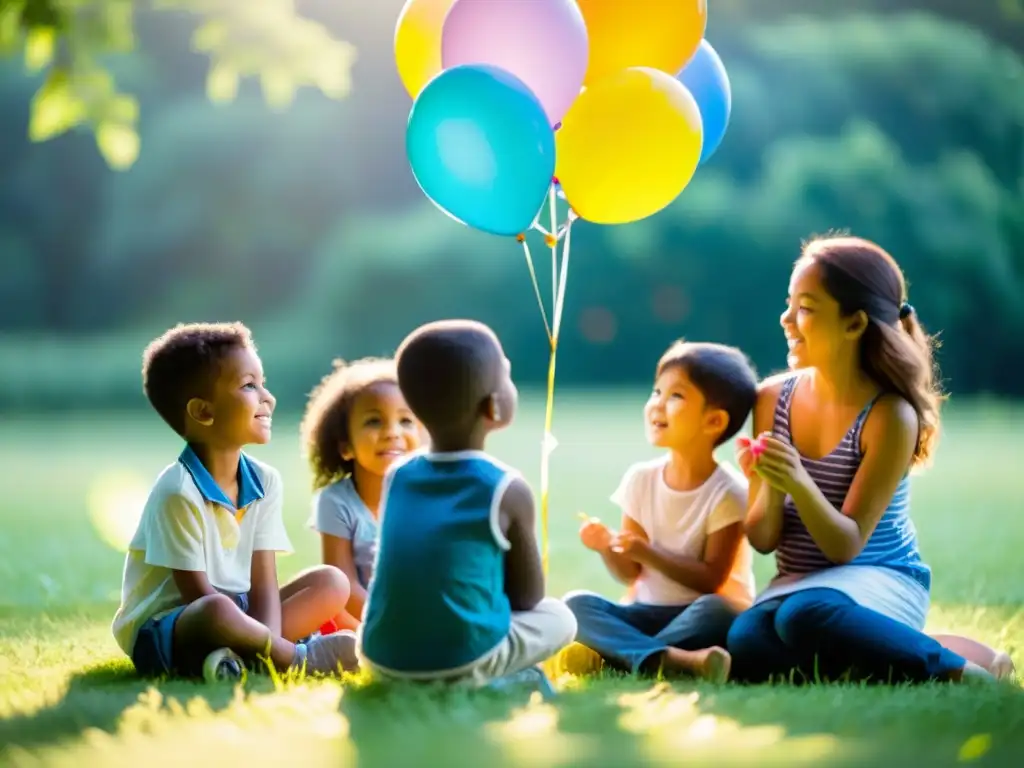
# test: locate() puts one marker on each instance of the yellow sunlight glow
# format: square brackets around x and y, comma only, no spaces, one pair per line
[673,724]
[115,502]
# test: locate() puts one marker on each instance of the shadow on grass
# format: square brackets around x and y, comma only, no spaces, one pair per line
[384,725]
[933,724]
[97,697]
[433,724]
[608,720]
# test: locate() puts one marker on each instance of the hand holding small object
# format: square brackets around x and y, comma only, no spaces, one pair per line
[780,466]
[594,534]
[748,451]
[630,544]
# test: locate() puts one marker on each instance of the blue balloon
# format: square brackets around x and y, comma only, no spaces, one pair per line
[481,148]
[705,77]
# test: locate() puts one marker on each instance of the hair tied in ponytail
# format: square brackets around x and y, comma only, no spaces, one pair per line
[906,310]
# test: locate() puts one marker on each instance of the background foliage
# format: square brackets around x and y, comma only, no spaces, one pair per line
[209,159]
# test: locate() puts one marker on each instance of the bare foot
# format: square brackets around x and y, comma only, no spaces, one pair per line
[1002,666]
[972,674]
[711,664]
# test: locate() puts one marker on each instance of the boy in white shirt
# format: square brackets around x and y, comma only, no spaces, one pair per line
[681,549]
[199,593]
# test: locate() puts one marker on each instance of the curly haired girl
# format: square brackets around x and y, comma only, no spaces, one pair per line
[356,425]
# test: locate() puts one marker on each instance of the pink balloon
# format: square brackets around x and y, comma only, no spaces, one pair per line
[542,42]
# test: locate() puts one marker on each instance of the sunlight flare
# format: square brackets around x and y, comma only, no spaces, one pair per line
[673,723]
[975,748]
[252,728]
[530,736]
[115,502]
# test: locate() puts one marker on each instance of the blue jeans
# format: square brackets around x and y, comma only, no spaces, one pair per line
[153,652]
[824,633]
[628,636]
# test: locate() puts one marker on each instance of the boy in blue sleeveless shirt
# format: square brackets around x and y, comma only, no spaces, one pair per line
[458,590]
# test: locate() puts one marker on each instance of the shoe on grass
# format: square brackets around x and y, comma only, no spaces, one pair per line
[223,664]
[577,659]
[327,654]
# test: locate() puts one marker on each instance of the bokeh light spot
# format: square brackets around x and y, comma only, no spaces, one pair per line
[598,325]
[115,502]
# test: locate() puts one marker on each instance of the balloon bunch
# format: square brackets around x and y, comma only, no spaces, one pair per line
[607,104]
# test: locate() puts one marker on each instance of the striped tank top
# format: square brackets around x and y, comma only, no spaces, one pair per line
[893,544]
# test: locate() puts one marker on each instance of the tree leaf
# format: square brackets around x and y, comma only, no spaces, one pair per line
[10,28]
[119,25]
[119,144]
[56,108]
[221,82]
[278,88]
[210,36]
[333,74]
[40,43]
[122,109]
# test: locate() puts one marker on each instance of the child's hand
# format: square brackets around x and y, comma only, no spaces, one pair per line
[780,466]
[595,535]
[747,452]
[630,544]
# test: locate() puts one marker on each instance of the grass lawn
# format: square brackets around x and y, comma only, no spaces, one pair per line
[67,696]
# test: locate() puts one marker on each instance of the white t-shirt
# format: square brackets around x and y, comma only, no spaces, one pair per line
[680,522]
[188,525]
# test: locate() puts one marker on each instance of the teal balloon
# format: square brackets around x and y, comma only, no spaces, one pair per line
[481,148]
[706,79]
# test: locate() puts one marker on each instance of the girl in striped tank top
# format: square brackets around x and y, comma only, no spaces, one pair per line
[829,493]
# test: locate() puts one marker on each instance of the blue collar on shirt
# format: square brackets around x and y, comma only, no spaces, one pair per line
[250,488]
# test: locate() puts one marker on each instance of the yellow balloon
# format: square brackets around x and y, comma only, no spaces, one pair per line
[628,146]
[661,34]
[418,42]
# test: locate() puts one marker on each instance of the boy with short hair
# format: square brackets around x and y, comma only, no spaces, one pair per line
[681,549]
[199,593]
[458,590]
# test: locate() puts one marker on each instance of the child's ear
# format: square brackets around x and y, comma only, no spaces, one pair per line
[199,411]
[716,421]
[346,451]
[491,409]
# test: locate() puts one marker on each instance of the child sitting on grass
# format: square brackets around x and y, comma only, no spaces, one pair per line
[357,424]
[200,593]
[458,592]
[681,548]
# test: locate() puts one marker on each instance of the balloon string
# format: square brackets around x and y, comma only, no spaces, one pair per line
[558,302]
[536,285]
[546,448]
[551,241]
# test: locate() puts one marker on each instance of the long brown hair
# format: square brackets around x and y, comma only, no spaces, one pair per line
[895,350]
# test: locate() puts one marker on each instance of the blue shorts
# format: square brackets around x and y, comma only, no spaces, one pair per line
[153,652]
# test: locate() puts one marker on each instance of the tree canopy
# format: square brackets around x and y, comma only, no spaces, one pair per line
[71,42]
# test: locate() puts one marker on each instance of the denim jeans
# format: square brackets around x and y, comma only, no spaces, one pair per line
[628,635]
[823,633]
